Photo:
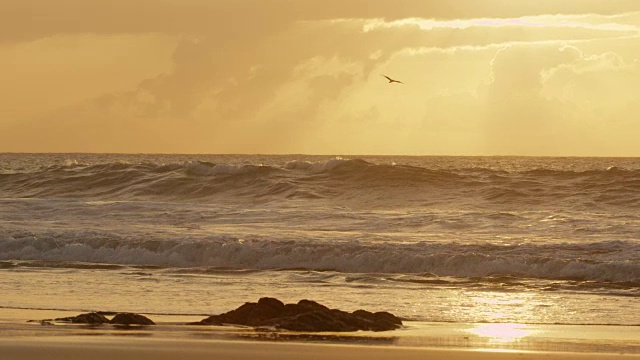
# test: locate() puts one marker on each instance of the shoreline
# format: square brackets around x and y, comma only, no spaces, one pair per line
[125,348]
[451,339]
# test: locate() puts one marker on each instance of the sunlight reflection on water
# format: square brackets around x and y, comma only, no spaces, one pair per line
[502,333]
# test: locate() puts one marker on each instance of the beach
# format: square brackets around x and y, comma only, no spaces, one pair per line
[172,339]
[125,349]
[53,348]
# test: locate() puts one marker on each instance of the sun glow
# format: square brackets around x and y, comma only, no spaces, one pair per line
[502,333]
[164,77]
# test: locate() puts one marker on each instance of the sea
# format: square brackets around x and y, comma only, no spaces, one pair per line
[529,240]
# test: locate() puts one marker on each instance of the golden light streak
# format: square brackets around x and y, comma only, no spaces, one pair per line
[502,333]
[527,21]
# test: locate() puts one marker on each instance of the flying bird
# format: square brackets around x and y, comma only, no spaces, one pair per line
[392,80]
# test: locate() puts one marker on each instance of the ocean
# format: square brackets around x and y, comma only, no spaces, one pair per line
[434,239]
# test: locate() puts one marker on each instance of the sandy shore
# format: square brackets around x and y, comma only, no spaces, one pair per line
[163,349]
[171,339]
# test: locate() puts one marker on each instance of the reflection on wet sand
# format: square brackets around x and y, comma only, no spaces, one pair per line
[502,333]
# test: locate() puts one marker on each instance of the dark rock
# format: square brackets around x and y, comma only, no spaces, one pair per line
[272,303]
[106,313]
[306,315]
[88,318]
[131,319]
[251,314]
[380,319]
[311,305]
[312,321]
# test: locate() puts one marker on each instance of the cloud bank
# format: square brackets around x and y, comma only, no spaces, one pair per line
[248,76]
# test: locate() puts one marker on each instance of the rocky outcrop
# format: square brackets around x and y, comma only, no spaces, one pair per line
[306,315]
[131,319]
[88,318]
[99,318]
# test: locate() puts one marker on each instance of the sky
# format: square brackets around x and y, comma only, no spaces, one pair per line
[490,77]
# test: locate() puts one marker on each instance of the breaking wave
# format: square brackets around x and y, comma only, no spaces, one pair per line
[349,180]
[609,262]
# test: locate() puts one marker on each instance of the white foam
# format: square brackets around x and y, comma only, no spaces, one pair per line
[348,257]
[208,169]
[317,166]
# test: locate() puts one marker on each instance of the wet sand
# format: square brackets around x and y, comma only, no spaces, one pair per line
[164,349]
[171,339]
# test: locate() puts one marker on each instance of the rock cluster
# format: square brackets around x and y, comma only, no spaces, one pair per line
[306,315]
[88,318]
[131,319]
[118,319]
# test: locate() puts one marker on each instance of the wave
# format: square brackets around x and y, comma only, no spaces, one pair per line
[608,262]
[343,180]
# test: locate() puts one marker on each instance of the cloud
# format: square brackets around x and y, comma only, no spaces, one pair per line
[26,20]
[492,77]
[240,77]
[601,80]
[547,100]
[61,71]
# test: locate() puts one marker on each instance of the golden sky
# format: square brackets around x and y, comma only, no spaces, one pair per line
[489,77]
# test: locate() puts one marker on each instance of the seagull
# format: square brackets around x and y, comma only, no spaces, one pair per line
[392,80]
